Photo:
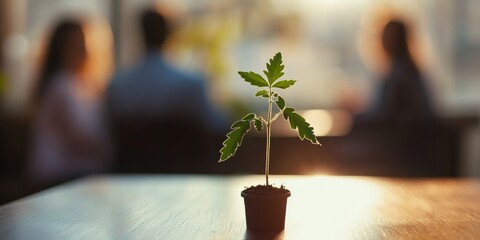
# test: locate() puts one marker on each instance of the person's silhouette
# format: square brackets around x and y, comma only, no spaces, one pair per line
[169,106]
[154,88]
[402,94]
[400,134]
[69,135]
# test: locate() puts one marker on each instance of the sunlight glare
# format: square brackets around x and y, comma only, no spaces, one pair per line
[340,203]
[320,120]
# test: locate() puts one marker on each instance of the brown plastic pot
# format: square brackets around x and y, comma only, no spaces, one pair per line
[265,212]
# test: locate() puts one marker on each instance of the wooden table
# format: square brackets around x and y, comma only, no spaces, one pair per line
[210,207]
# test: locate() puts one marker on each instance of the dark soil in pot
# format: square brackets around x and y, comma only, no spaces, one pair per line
[265,207]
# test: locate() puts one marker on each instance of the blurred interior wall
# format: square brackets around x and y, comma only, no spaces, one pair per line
[13,14]
[330,25]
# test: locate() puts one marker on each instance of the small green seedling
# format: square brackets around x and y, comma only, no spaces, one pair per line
[240,128]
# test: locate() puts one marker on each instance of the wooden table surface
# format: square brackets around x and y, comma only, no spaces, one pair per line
[210,207]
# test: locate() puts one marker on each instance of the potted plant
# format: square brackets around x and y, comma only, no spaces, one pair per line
[265,205]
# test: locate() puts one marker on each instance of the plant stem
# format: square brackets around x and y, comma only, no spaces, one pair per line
[269,123]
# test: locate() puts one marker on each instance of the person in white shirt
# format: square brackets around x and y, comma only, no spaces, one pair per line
[69,138]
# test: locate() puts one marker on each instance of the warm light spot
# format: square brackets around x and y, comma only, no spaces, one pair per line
[338,203]
[329,122]
[98,40]
[324,122]
[320,172]
[320,120]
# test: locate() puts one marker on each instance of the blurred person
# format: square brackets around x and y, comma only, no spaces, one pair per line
[156,88]
[400,134]
[169,106]
[402,94]
[69,137]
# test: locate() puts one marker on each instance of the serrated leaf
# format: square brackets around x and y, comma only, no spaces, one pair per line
[262,93]
[266,73]
[234,139]
[280,102]
[274,68]
[287,112]
[248,117]
[258,124]
[254,79]
[305,131]
[284,84]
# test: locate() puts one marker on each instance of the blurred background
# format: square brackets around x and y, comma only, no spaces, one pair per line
[333,49]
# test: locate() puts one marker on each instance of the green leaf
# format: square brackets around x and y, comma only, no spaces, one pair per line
[249,117]
[266,73]
[234,139]
[254,79]
[274,68]
[305,131]
[280,103]
[284,84]
[262,93]
[287,112]
[258,124]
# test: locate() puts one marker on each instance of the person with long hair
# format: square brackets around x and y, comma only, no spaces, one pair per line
[69,136]
[402,94]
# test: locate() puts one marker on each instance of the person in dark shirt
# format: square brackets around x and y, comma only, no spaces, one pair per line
[400,134]
[402,95]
